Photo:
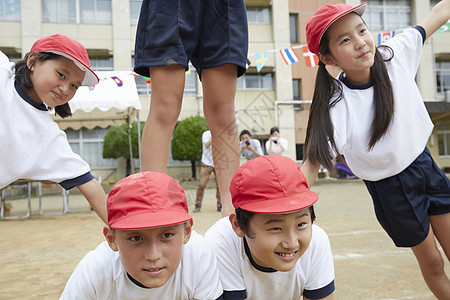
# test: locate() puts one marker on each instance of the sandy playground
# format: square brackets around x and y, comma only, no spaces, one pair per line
[38,254]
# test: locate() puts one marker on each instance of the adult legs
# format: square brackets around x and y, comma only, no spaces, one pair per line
[432,266]
[219,202]
[165,106]
[205,174]
[219,89]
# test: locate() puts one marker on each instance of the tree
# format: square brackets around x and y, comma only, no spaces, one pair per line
[116,143]
[187,140]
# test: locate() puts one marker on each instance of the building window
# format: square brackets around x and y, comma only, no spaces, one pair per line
[88,143]
[190,83]
[442,76]
[293,27]
[101,63]
[255,81]
[135,9]
[296,92]
[299,151]
[258,15]
[387,15]
[77,11]
[443,136]
[9,10]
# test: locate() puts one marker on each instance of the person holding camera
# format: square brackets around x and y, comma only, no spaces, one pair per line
[276,144]
[250,148]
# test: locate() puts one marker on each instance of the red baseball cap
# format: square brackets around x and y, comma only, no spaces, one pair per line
[71,49]
[146,200]
[322,19]
[270,184]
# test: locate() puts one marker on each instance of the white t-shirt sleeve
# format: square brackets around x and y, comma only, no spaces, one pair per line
[321,269]
[92,276]
[225,244]
[205,270]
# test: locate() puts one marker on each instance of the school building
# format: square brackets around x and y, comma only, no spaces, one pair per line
[275,91]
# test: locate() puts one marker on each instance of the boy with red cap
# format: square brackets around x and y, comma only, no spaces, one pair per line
[269,248]
[151,251]
[33,146]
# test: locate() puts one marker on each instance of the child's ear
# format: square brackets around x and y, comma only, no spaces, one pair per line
[110,238]
[327,59]
[31,60]
[187,231]
[234,222]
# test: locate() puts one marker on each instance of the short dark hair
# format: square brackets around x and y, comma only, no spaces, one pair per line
[24,80]
[245,131]
[274,129]
[244,217]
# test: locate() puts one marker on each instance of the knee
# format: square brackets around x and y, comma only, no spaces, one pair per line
[435,265]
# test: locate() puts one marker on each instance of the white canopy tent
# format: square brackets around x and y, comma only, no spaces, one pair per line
[116,89]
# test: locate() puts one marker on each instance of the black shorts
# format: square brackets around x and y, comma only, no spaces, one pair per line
[209,33]
[404,201]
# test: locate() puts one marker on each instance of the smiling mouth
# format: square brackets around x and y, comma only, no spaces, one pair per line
[285,255]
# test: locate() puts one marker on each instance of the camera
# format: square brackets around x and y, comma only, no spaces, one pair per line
[247,143]
[275,140]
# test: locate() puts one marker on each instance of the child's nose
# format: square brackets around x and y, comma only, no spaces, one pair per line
[290,241]
[153,252]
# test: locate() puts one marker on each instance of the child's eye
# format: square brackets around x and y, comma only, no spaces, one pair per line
[167,235]
[346,40]
[275,229]
[62,75]
[363,30]
[302,224]
[135,238]
[75,86]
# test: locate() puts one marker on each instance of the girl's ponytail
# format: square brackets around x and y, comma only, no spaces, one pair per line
[319,133]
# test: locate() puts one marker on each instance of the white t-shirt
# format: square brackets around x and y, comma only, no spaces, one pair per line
[101,275]
[312,275]
[278,148]
[411,126]
[33,147]
[207,158]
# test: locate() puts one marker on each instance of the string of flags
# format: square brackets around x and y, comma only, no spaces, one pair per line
[311,60]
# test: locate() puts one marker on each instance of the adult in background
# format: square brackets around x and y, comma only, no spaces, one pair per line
[250,148]
[276,144]
[207,168]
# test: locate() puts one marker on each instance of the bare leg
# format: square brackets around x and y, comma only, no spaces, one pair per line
[165,106]
[219,89]
[432,267]
[441,228]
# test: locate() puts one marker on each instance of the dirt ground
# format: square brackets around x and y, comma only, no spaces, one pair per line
[38,254]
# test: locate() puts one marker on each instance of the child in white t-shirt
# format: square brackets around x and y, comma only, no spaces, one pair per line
[151,251]
[269,248]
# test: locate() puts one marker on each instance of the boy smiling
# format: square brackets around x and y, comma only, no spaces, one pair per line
[269,248]
[151,251]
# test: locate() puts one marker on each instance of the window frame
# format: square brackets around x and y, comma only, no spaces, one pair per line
[77,19]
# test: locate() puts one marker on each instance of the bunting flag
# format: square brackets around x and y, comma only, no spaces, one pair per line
[385,36]
[289,56]
[444,27]
[311,59]
[261,59]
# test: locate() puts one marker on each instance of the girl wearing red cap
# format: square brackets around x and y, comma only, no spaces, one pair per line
[374,115]
[33,146]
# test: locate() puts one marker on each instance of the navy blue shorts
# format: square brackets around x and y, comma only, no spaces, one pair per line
[209,33]
[404,202]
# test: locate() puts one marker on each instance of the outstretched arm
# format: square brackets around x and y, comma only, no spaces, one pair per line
[95,195]
[437,17]
[310,171]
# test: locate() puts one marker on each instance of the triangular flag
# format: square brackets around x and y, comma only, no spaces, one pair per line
[261,59]
[289,56]
[385,36]
[311,59]
[444,27]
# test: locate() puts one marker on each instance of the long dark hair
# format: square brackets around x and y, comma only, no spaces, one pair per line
[24,80]
[320,131]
